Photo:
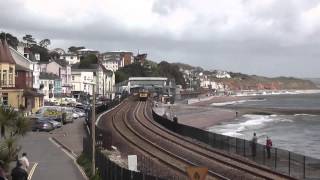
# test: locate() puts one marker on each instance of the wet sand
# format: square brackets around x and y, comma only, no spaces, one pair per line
[201,114]
[202,117]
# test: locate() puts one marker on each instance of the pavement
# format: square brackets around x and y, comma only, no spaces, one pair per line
[53,155]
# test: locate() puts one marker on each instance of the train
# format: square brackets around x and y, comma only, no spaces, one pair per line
[143,95]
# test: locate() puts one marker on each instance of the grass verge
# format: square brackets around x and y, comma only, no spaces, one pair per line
[85,162]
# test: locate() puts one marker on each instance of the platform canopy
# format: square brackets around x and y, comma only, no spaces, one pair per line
[147,82]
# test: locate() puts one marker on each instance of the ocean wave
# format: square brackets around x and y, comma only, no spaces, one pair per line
[236,102]
[249,121]
[305,115]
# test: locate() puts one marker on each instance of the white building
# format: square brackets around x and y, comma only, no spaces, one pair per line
[111,65]
[47,84]
[62,69]
[223,74]
[112,60]
[71,58]
[82,80]
[22,59]
[85,51]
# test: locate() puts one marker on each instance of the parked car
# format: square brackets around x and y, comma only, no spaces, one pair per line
[70,115]
[80,112]
[55,124]
[42,125]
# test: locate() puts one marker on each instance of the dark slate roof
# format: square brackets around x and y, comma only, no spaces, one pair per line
[91,67]
[61,62]
[21,68]
[44,75]
[5,54]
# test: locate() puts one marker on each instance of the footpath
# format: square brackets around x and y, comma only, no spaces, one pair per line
[53,155]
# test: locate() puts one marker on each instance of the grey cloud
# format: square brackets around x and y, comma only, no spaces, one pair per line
[165,7]
[243,49]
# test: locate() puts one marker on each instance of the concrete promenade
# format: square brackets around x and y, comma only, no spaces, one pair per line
[53,155]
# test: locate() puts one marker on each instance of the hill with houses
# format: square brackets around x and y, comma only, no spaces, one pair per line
[32,73]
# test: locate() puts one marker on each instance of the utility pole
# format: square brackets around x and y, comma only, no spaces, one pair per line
[93,130]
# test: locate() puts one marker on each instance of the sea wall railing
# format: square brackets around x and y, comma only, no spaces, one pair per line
[282,161]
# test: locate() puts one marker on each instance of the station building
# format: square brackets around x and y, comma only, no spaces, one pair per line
[157,86]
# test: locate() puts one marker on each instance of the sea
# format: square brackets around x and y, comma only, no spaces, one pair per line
[299,133]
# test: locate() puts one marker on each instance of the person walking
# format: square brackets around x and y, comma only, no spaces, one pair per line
[2,171]
[24,160]
[268,147]
[18,173]
[254,144]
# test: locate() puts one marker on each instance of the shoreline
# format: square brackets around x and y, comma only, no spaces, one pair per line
[202,115]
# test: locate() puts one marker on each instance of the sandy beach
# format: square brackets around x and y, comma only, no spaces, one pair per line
[201,115]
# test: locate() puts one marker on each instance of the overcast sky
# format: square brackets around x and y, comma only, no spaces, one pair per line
[263,37]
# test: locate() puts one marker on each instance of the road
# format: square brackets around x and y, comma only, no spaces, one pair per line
[52,162]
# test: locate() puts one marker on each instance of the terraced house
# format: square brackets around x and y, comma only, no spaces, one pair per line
[16,82]
[83,79]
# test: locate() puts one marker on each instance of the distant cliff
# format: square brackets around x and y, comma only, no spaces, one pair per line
[247,82]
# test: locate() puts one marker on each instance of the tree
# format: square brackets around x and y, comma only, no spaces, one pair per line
[45,43]
[86,61]
[54,55]
[29,40]
[13,125]
[12,40]
[171,71]
[74,49]
[44,54]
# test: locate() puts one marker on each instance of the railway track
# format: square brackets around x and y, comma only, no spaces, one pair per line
[133,122]
[120,123]
[244,166]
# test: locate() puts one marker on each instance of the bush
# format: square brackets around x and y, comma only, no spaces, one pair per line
[85,162]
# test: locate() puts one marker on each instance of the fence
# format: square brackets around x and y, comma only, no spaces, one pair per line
[109,170]
[283,161]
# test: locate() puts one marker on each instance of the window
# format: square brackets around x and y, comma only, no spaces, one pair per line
[11,76]
[72,78]
[84,86]
[4,77]
[85,78]
[5,99]
[26,55]
[37,56]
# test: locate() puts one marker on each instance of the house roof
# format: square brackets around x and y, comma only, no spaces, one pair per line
[20,55]
[21,68]
[83,50]
[5,54]
[91,67]
[61,62]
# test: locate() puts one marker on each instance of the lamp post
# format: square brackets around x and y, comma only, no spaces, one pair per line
[93,130]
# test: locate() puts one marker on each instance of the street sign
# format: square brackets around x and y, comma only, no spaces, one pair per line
[197,173]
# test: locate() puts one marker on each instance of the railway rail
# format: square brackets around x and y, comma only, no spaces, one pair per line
[238,163]
[133,122]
